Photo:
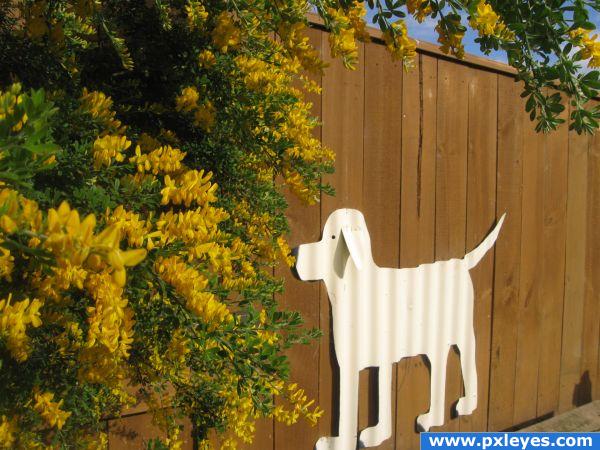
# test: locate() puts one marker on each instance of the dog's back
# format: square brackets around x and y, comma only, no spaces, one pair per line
[383,315]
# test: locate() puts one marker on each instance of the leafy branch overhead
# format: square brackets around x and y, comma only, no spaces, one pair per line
[550,43]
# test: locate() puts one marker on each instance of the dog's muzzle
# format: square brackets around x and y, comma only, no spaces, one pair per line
[306,267]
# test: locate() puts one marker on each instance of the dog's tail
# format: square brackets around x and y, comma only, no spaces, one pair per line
[472,258]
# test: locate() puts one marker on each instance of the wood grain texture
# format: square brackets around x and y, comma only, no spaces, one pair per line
[382,169]
[556,157]
[590,358]
[417,225]
[481,217]
[451,194]
[591,337]
[528,316]
[342,131]
[503,352]
[574,294]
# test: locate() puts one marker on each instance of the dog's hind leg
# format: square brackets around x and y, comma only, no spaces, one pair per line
[468,403]
[373,436]
[435,416]
[348,419]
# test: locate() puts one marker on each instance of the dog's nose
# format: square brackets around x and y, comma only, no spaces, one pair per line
[293,268]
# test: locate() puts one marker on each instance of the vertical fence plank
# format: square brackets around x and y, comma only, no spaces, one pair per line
[590,358]
[592,339]
[553,266]
[417,225]
[301,296]
[342,117]
[451,191]
[481,216]
[382,160]
[574,293]
[507,257]
[528,344]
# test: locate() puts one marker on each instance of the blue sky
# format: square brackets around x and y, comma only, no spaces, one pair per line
[426,32]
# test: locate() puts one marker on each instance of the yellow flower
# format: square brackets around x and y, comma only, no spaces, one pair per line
[590,46]
[8,430]
[262,76]
[130,223]
[19,212]
[399,44]
[297,185]
[110,320]
[451,42]
[190,187]
[188,99]
[225,35]
[343,44]
[486,18]
[50,410]
[14,320]
[285,251]
[206,59]
[294,40]
[356,15]
[72,241]
[99,107]
[196,14]
[488,23]
[164,160]
[204,117]
[6,264]
[415,7]
[191,285]
[108,149]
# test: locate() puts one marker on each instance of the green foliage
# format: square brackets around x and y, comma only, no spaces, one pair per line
[542,40]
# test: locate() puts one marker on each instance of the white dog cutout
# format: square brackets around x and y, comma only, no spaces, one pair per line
[382,315]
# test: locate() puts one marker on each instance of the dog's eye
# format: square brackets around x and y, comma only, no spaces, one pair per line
[333,236]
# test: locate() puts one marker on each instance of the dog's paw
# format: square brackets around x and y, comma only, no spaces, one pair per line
[336,443]
[466,406]
[423,422]
[324,443]
[428,420]
[372,437]
[327,443]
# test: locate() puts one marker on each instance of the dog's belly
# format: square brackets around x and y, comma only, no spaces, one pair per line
[393,314]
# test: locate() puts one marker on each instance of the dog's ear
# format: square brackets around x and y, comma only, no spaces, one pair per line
[355,245]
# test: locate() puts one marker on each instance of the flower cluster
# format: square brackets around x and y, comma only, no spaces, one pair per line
[488,23]
[50,410]
[401,46]
[450,36]
[204,114]
[14,320]
[590,46]
[419,9]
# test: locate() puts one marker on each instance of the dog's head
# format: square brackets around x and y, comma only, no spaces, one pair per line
[345,237]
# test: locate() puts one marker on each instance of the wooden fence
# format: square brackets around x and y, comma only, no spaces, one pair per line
[433,157]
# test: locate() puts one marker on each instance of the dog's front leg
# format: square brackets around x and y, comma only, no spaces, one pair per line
[435,416]
[373,436]
[348,414]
